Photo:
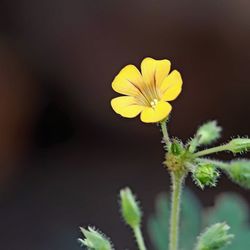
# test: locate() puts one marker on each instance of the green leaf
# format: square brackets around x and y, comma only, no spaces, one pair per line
[158,223]
[190,221]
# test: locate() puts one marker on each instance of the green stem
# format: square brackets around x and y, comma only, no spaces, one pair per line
[175,210]
[165,133]
[211,150]
[139,238]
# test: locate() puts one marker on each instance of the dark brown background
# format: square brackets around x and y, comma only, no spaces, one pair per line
[64,153]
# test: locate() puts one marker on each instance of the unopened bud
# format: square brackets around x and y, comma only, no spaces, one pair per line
[239,145]
[176,147]
[214,237]
[239,172]
[95,240]
[130,209]
[205,174]
[208,133]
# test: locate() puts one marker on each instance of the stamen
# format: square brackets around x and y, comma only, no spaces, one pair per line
[154,103]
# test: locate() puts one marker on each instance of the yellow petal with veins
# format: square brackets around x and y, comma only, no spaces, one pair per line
[126,106]
[154,71]
[171,86]
[128,81]
[156,114]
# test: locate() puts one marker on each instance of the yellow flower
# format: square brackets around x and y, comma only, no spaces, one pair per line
[146,92]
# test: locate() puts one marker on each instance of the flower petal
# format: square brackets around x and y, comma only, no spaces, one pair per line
[128,81]
[154,70]
[126,106]
[157,114]
[171,86]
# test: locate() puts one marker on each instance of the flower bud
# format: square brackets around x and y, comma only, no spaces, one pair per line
[239,172]
[130,210]
[176,148]
[214,238]
[239,145]
[95,240]
[205,174]
[208,133]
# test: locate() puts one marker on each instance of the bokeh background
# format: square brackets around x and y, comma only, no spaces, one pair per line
[64,154]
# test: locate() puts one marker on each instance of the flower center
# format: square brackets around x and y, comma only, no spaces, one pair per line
[149,94]
[154,103]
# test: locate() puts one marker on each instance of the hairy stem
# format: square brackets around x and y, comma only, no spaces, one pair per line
[139,238]
[165,132]
[211,150]
[175,210]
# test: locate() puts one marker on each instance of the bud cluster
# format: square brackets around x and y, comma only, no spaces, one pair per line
[205,173]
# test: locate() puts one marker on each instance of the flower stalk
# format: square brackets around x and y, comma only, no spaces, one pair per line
[211,151]
[164,130]
[132,215]
[139,238]
[177,181]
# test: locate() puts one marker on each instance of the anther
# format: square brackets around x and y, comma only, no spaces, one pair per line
[154,103]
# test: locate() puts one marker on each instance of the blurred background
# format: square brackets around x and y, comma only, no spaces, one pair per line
[64,154]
